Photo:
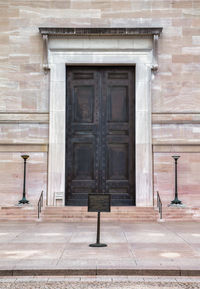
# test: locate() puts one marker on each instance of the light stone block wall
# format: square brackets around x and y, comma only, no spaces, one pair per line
[24,88]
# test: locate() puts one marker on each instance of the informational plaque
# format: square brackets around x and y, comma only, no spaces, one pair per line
[98,202]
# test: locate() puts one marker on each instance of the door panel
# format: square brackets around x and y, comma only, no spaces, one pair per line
[83,104]
[81,134]
[100,146]
[117,103]
[119,135]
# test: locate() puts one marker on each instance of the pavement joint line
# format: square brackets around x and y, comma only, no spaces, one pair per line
[181,237]
[102,272]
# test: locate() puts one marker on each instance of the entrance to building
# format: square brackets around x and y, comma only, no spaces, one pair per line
[100,134]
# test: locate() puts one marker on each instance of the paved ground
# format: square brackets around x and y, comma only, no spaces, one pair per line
[99,283]
[130,246]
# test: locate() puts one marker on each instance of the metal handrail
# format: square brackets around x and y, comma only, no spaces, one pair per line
[159,204]
[40,204]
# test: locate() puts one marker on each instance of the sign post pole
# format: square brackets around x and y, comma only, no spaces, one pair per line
[98,203]
[98,244]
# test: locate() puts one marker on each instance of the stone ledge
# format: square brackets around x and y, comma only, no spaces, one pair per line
[101,272]
[176,148]
[53,31]
[175,118]
[24,148]
[24,117]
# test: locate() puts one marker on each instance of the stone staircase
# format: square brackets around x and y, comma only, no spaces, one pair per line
[181,214]
[80,214]
[18,213]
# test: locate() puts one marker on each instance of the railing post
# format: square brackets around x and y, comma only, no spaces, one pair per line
[159,205]
[40,204]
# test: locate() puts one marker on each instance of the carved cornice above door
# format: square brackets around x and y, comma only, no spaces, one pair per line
[141,32]
[100,31]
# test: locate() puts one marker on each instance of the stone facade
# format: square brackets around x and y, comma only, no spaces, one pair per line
[24,93]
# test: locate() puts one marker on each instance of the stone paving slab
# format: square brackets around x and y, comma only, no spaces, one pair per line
[133,249]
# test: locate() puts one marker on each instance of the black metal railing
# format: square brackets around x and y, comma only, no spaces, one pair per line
[40,204]
[159,204]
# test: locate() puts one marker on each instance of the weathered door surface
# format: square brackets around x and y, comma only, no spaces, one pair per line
[100,134]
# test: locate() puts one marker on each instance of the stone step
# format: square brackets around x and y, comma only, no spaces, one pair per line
[76,214]
[71,220]
[18,220]
[113,209]
[181,214]
[122,213]
[18,213]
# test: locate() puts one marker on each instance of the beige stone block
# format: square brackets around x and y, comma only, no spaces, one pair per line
[176,134]
[196,21]
[4,48]
[4,24]
[35,13]
[58,4]
[196,4]
[30,3]
[17,23]
[185,58]
[159,5]
[29,102]
[191,12]
[166,13]
[196,40]
[183,22]
[126,14]
[23,133]
[30,85]
[182,4]
[32,67]
[171,32]
[4,39]
[191,31]
[19,58]
[119,5]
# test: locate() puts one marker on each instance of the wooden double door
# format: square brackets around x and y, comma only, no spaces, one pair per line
[100,134]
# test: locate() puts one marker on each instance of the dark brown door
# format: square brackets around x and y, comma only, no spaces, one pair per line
[100,134]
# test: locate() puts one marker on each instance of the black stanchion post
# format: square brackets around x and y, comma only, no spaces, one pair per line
[24,200]
[176,201]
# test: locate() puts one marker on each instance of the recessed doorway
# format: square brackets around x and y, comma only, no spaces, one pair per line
[100,134]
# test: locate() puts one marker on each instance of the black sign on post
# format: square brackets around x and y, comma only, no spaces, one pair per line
[98,203]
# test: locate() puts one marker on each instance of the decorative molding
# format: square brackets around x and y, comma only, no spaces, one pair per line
[114,54]
[24,117]
[176,118]
[45,53]
[176,148]
[63,32]
[23,148]
[51,31]
[6,142]
[157,142]
[155,52]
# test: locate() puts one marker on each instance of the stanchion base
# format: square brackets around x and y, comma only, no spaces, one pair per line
[98,245]
[176,202]
[23,201]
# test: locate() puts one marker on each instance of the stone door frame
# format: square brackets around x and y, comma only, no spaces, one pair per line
[67,46]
